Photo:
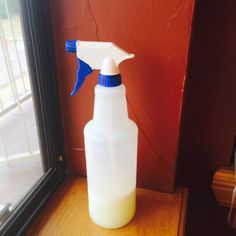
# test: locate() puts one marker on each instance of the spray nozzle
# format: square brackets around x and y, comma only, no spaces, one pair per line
[104,56]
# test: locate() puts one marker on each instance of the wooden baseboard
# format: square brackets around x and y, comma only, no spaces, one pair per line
[222,185]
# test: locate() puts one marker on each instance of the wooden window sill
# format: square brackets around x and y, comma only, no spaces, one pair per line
[67,213]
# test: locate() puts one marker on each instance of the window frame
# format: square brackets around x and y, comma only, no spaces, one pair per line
[39,46]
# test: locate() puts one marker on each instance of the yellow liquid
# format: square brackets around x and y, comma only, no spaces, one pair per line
[112,214]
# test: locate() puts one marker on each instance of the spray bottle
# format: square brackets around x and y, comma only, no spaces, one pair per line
[110,137]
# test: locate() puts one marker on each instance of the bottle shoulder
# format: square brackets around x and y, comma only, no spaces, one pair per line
[127,131]
[129,125]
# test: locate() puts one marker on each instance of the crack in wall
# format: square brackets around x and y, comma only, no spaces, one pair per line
[162,160]
[93,19]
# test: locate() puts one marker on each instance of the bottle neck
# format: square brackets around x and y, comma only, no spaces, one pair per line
[110,107]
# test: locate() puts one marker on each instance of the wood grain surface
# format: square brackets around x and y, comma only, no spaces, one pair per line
[67,213]
[223,185]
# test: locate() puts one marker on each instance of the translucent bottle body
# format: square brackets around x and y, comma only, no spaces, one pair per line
[111,159]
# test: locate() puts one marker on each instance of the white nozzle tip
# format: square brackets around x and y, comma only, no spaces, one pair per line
[131,56]
[109,67]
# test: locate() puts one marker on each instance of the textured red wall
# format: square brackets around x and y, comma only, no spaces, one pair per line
[158,33]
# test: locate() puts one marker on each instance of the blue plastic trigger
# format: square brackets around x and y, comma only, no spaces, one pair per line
[83,71]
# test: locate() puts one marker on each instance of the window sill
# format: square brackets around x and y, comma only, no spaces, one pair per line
[67,213]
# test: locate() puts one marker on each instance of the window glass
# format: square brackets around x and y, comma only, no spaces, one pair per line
[21,165]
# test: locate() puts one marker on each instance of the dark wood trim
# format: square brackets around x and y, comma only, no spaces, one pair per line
[37,29]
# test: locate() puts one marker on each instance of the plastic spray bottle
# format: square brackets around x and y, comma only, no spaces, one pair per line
[110,137]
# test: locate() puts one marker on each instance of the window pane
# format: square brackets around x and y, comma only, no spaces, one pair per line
[20,161]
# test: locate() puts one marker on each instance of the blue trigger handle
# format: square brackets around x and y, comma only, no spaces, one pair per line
[83,71]
[70,46]
[83,68]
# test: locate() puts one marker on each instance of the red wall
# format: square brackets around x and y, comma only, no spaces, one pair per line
[158,33]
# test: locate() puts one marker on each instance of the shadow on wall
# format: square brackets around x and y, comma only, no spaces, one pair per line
[209,112]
